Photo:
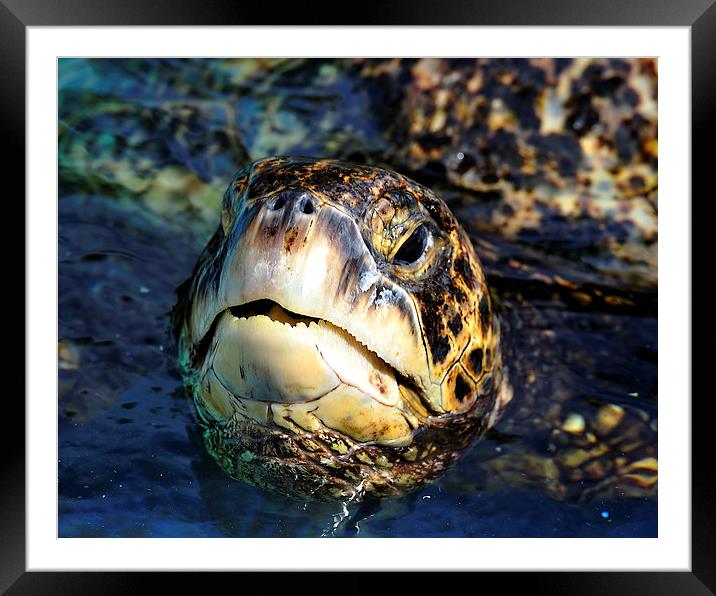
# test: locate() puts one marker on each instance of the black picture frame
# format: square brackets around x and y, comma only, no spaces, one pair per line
[699,15]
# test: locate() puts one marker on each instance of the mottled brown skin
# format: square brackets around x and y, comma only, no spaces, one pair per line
[455,324]
[568,147]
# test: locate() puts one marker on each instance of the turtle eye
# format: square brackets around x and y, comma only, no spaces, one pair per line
[413,248]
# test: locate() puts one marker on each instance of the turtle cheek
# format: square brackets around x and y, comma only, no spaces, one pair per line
[459,390]
[215,403]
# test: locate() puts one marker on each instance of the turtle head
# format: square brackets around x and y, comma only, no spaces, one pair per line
[344,306]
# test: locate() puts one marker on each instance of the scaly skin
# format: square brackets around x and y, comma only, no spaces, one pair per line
[423,329]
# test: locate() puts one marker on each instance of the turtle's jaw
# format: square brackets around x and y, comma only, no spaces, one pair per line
[303,373]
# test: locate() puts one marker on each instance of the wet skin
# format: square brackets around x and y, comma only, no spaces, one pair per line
[337,333]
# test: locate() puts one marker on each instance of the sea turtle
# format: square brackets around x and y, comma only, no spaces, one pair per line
[550,166]
[337,334]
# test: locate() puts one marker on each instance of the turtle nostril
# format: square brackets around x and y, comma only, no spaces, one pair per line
[307,206]
[279,202]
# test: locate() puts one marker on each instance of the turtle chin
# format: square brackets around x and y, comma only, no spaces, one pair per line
[297,405]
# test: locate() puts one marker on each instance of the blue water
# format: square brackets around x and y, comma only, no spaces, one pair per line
[141,470]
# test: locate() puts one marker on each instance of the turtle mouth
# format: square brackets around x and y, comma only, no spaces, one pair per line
[266,308]
[301,372]
[271,309]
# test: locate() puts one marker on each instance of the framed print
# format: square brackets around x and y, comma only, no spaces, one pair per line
[401,284]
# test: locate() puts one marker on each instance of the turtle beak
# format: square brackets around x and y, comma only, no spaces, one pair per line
[310,258]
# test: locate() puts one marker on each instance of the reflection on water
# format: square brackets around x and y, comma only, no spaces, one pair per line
[137,201]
